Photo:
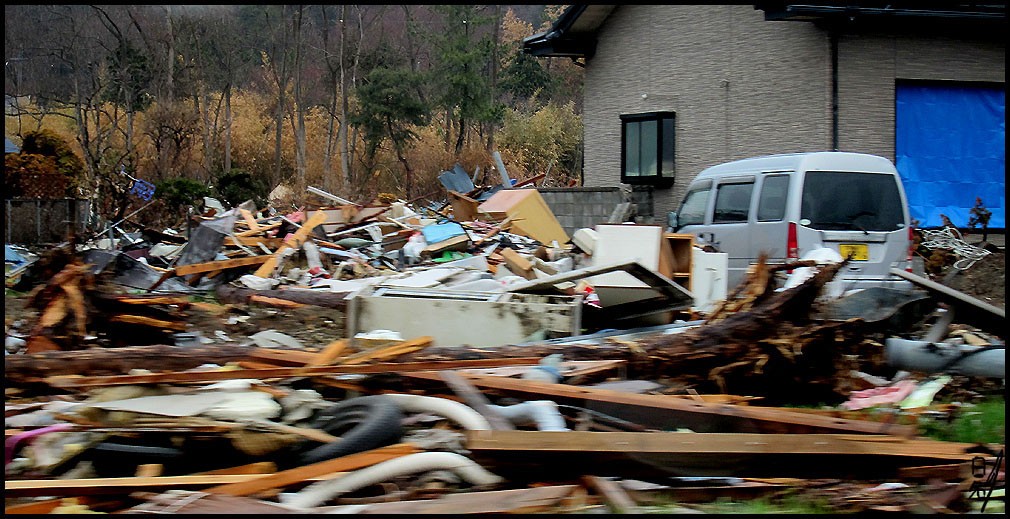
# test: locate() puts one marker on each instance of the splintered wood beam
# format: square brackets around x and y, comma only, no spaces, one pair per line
[330,353]
[385,352]
[714,443]
[251,241]
[688,413]
[267,269]
[95,486]
[211,266]
[249,220]
[149,321]
[299,474]
[262,228]
[517,501]
[260,374]
[613,495]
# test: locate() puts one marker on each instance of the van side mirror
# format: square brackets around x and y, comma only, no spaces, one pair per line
[672,220]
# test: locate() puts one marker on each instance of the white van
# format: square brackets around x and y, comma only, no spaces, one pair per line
[787,205]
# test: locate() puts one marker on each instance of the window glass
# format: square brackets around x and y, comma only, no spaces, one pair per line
[851,201]
[632,144]
[668,147]
[732,202]
[772,204]
[692,209]
[650,141]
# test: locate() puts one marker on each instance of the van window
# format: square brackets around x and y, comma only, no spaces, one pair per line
[692,209]
[851,201]
[772,204]
[732,202]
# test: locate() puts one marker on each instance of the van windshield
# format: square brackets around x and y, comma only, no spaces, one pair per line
[835,200]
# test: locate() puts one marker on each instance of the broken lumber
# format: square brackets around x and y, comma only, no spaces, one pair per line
[666,412]
[713,454]
[613,495]
[299,474]
[517,501]
[267,269]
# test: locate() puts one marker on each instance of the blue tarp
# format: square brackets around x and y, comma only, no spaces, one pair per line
[950,144]
[441,231]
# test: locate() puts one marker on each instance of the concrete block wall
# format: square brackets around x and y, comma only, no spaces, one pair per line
[578,207]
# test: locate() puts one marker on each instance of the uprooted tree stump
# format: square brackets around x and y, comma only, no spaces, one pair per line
[765,345]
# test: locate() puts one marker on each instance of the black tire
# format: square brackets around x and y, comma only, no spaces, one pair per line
[362,423]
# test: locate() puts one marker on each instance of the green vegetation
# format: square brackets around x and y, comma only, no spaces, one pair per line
[791,503]
[983,423]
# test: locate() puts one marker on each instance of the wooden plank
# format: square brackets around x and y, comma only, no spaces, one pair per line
[307,371]
[267,269]
[388,351]
[516,501]
[262,228]
[613,495]
[713,443]
[330,353]
[946,472]
[299,474]
[211,266]
[275,302]
[282,357]
[249,220]
[519,265]
[475,399]
[252,241]
[96,486]
[768,419]
[148,321]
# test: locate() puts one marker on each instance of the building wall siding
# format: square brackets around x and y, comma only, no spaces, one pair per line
[731,77]
[742,86]
[870,63]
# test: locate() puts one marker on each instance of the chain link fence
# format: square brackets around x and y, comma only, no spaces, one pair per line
[30,221]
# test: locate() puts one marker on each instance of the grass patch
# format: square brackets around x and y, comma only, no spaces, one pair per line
[788,504]
[984,422]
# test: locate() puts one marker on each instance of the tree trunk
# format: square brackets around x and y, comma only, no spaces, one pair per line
[118,361]
[462,135]
[202,109]
[234,295]
[772,348]
[227,128]
[300,148]
[494,75]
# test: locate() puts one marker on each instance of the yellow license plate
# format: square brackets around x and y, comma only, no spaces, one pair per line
[854,251]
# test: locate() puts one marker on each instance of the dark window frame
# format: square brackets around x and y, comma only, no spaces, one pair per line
[661,178]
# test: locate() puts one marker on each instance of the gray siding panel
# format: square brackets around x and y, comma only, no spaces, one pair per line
[742,86]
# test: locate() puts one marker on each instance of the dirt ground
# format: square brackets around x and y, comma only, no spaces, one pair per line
[986,280]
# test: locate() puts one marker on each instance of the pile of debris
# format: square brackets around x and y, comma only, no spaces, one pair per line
[479,340]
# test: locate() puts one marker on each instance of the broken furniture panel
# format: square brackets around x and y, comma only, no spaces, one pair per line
[665,295]
[452,317]
[530,213]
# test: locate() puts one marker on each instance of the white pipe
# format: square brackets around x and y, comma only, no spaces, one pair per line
[465,416]
[543,413]
[323,491]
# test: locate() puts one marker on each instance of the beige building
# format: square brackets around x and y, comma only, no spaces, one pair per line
[673,89]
